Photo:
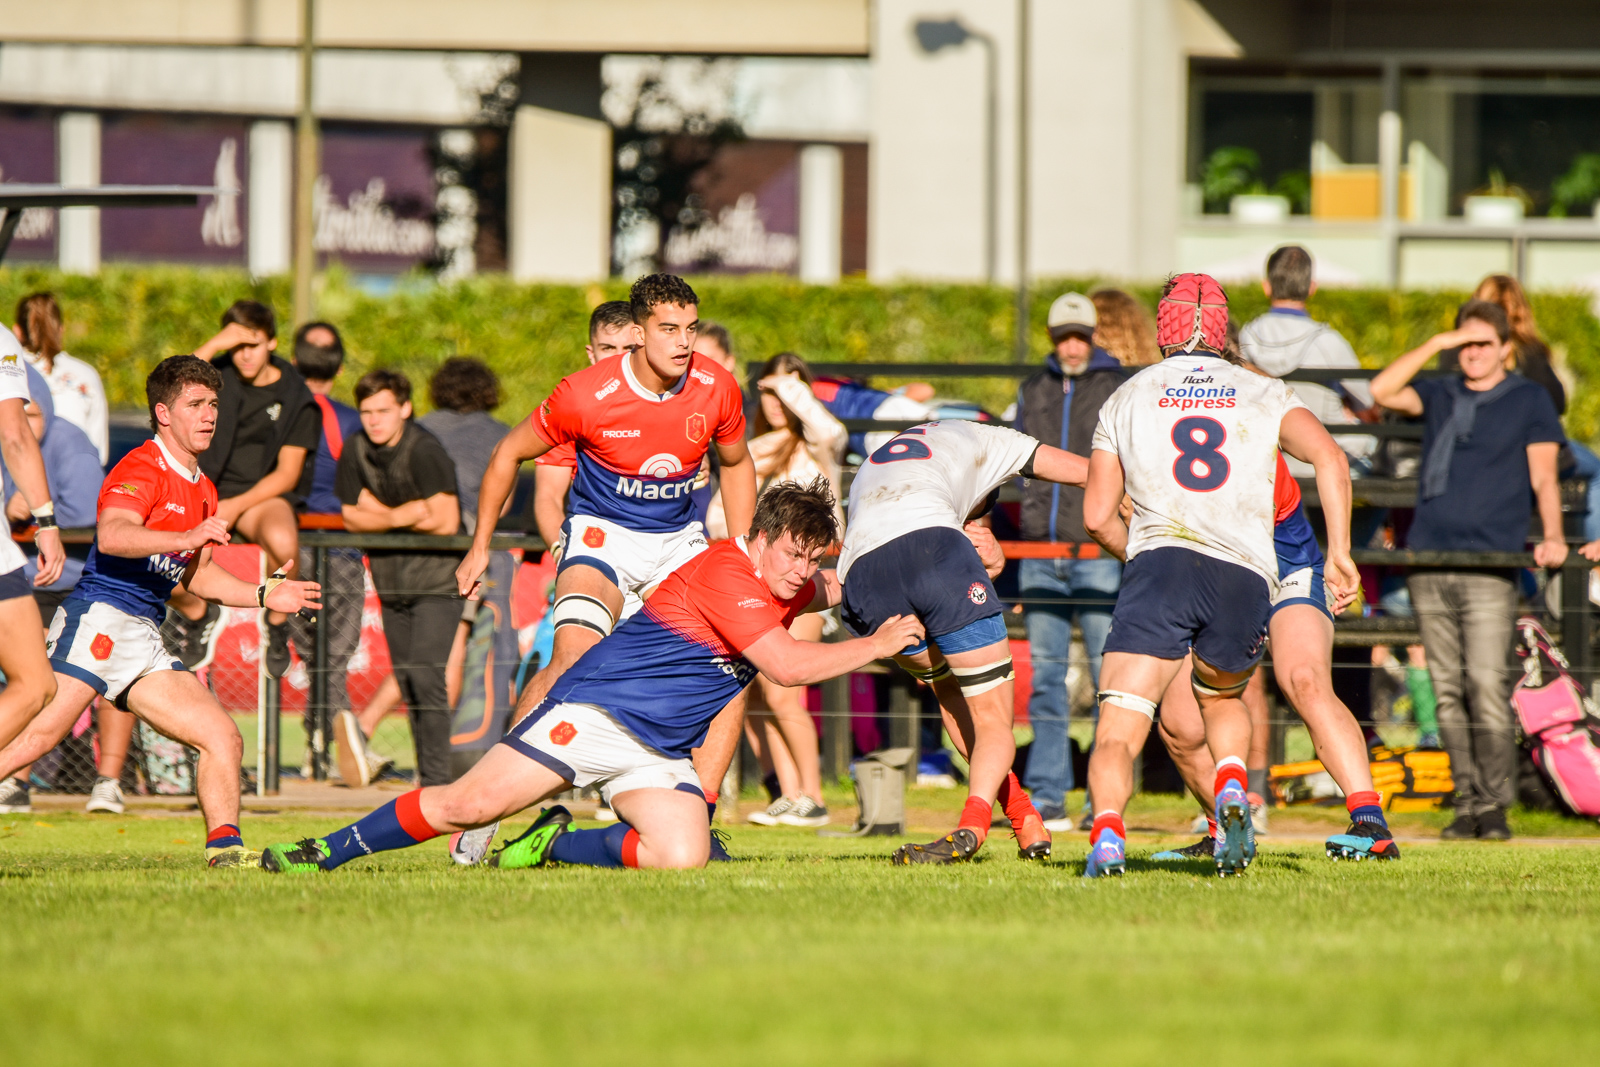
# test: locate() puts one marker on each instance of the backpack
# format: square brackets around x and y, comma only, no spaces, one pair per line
[1559,722]
[880,779]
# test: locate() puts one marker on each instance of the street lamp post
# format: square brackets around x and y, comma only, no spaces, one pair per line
[307,165]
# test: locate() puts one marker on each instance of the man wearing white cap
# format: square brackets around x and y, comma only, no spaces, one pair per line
[1060,406]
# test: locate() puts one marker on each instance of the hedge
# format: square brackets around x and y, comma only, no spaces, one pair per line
[129,317]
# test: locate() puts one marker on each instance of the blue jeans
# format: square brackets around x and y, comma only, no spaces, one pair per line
[1049,774]
[1588,468]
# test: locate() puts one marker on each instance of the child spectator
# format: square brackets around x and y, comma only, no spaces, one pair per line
[74,385]
[396,476]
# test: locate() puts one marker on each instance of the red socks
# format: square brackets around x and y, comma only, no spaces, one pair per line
[1107,820]
[1232,771]
[630,848]
[1211,825]
[408,812]
[976,816]
[1015,801]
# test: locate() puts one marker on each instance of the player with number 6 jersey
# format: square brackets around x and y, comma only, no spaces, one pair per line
[915,545]
[1193,441]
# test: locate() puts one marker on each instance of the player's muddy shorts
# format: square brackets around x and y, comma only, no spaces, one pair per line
[632,560]
[584,745]
[934,574]
[1173,600]
[105,648]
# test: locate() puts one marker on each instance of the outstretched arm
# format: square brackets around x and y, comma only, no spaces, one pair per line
[1058,465]
[210,581]
[1102,503]
[789,662]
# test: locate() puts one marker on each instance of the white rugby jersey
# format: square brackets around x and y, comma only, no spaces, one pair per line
[13,386]
[927,476]
[1198,441]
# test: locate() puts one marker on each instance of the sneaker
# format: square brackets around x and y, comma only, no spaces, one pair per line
[278,649]
[105,796]
[232,856]
[1055,818]
[604,814]
[1429,740]
[377,763]
[193,641]
[14,799]
[958,845]
[1033,838]
[1086,823]
[1464,828]
[771,815]
[468,847]
[1238,844]
[1364,840]
[302,857]
[532,847]
[804,812]
[719,846]
[1203,849]
[1107,859]
[1492,826]
[351,746]
[1258,814]
[1201,825]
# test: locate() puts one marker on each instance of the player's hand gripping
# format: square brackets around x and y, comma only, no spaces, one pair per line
[52,557]
[1551,553]
[469,576]
[898,633]
[989,550]
[213,531]
[1342,579]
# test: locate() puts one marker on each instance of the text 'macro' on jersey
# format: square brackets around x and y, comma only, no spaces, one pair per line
[638,452]
[665,672]
[1198,441]
[929,475]
[150,483]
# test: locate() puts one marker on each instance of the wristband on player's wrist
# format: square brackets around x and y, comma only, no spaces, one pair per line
[45,515]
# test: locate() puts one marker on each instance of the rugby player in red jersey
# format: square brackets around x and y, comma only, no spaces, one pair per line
[626,716]
[157,521]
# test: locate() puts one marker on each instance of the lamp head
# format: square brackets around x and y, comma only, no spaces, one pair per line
[935,35]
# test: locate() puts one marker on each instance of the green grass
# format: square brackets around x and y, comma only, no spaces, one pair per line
[119,948]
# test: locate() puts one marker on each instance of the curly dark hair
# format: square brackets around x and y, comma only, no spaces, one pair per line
[805,511]
[655,289]
[175,374]
[376,381]
[465,385]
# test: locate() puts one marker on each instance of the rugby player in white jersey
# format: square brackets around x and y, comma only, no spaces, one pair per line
[1193,441]
[913,546]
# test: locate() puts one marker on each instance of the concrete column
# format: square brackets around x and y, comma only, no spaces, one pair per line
[821,213]
[78,164]
[1390,143]
[559,185]
[271,197]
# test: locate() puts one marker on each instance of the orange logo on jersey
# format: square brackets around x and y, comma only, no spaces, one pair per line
[126,489]
[8,359]
[100,648]
[562,733]
[696,428]
[594,537]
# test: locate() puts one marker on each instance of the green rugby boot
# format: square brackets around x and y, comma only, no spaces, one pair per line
[532,847]
[302,857]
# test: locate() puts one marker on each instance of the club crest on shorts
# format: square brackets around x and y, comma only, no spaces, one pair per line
[100,648]
[696,427]
[562,733]
[977,593]
[594,537]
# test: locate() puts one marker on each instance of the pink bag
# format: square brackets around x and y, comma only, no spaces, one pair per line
[1558,722]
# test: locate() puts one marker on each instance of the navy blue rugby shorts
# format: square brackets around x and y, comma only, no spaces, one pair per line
[934,574]
[1173,600]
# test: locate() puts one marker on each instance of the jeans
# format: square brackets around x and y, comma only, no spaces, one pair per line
[1467,622]
[1049,774]
[1588,468]
[420,631]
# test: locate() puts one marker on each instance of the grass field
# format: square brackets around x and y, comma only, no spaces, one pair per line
[119,948]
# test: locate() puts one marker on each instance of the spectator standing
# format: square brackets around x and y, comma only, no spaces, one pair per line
[1287,339]
[1125,328]
[1489,451]
[1060,406]
[79,396]
[396,476]
[319,357]
[795,440]
[267,424]
[464,391]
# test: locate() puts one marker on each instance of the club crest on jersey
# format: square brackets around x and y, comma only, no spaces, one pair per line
[100,648]
[977,593]
[562,733]
[125,489]
[594,537]
[696,428]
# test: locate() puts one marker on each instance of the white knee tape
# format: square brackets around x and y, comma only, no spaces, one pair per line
[575,609]
[975,680]
[1129,701]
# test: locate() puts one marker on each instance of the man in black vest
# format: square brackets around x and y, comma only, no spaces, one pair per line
[1060,406]
[396,476]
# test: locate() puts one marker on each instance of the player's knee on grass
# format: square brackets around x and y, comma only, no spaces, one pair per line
[677,849]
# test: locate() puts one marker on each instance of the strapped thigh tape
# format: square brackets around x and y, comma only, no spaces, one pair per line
[975,680]
[576,609]
[1202,689]
[1128,701]
[930,674]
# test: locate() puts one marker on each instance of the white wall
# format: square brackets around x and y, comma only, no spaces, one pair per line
[78,164]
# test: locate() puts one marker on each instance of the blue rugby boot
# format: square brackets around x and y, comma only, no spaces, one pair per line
[1237,845]
[1108,857]
[1366,839]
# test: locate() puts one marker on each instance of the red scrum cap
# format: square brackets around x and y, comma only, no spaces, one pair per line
[1194,312]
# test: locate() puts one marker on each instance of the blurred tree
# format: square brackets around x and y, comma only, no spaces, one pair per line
[1578,188]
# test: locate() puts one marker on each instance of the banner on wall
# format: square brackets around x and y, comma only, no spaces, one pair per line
[374,202]
[747,215]
[28,154]
[176,150]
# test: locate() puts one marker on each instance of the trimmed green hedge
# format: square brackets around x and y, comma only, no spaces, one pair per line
[128,318]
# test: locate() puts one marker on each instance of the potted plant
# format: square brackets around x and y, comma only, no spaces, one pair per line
[1497,204]
[1578,188]
[1232,181]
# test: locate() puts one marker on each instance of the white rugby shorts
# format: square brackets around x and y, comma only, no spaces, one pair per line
[634,561]
[105,647]
[584,745]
